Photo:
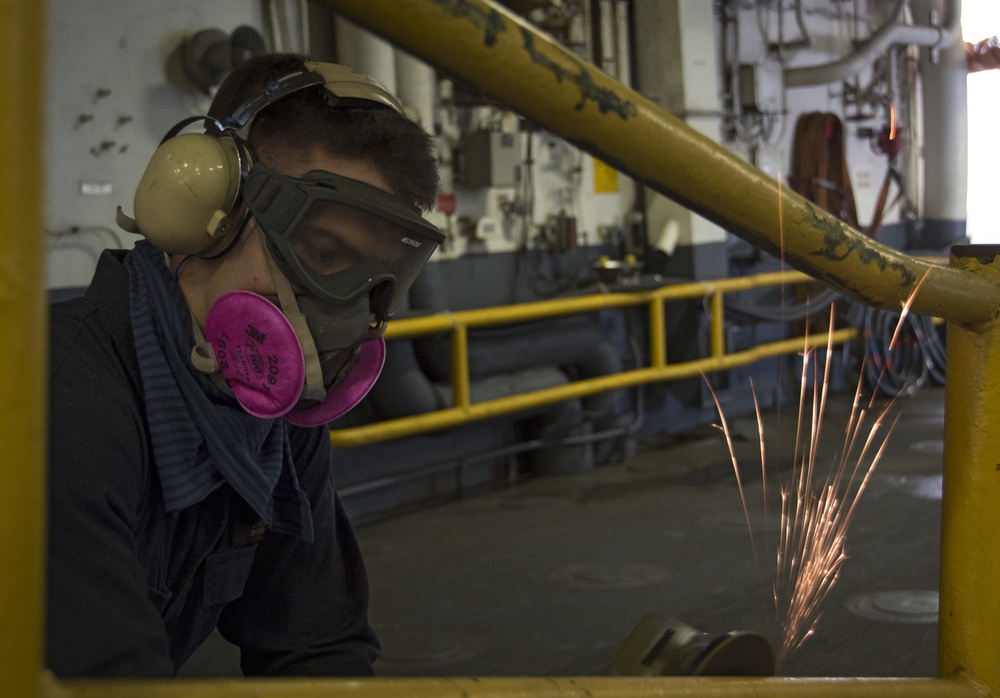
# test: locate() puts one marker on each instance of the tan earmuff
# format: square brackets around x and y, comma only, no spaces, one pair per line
[184,202]
[188,200]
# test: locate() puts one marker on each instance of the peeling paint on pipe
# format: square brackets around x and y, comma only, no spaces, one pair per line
[509,60]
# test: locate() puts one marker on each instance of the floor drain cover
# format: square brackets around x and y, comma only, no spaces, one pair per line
[611,574]
[897,606]
[934,447]
[529,501]
[919,486]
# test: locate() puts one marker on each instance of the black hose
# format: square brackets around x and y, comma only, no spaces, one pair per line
[908,364]
[778,312]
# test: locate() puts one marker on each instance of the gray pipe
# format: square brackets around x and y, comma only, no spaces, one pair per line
[893,32]
[946,140]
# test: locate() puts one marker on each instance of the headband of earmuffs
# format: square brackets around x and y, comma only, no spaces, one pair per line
[189,200]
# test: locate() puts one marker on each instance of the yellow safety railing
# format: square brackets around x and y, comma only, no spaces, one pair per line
[457,324]
[480,42]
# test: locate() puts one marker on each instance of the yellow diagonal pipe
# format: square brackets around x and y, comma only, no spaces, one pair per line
[507,59]
[22,346]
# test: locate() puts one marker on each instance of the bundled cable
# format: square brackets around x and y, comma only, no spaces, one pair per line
[931,340]
[778,311]
[898,359]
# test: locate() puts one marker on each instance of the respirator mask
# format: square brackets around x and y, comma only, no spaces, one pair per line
[342,255]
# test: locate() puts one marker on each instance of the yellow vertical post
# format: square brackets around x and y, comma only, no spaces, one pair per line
[22,347]
[657,334]
[968,636]
[460,365]
[717,325]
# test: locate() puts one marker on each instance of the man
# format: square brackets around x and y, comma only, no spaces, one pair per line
[190,484]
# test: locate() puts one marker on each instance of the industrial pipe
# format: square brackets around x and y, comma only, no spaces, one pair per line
[944,106]
[367,52]
[894,32]
[509,60]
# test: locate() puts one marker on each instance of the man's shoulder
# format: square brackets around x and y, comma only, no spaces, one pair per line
[91,352]
[99,318]
[96,431]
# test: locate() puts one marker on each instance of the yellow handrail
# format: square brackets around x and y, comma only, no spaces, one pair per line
[458,323]
[540,310]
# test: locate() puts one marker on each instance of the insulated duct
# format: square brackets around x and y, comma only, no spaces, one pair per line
[894,32]
[946,136]
[415,84]
[366,52]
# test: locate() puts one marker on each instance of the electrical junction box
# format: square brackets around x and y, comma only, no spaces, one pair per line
[762,87]
[489,159]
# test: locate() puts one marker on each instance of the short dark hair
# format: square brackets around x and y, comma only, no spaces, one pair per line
[398,147]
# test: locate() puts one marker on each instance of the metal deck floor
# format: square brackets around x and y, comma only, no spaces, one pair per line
[549,576]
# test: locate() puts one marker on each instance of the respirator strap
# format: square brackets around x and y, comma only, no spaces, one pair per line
[314,388]
[126,223]
[203,359]
[202,354]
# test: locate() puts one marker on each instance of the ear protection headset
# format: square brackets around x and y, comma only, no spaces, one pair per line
[189,199]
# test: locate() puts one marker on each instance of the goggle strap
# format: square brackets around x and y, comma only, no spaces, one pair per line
[314,388]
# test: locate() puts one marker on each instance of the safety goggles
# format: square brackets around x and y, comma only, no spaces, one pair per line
[339,238]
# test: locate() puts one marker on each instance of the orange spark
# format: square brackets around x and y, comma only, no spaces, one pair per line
[816,507]
[906,307]
[903,314]
[814,522]
[736,467]
[781,231]
[812,538]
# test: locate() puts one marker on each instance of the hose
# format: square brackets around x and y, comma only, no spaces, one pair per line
[915,359]
[779,312]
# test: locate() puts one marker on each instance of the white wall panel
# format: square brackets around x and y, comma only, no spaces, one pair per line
[108,106]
